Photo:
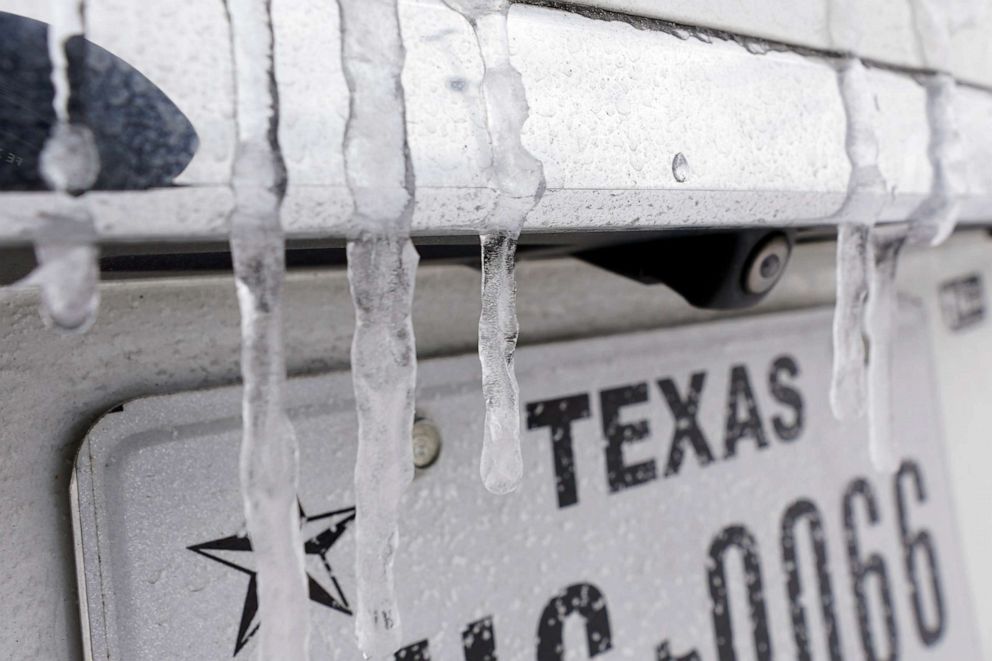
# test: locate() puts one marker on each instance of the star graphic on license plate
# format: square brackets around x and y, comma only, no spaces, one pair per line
[319,532]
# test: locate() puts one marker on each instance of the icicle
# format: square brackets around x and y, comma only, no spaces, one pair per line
[519,179]
[931,223]
[269,451]
[934,219]
[68,272]
[381,270]
[880,317]
[847,386]
[502,464]
[861,208]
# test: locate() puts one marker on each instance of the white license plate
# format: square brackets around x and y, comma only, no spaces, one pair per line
[740,521]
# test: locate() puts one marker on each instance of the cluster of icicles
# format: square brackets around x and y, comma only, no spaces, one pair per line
[381,270]
[867,254]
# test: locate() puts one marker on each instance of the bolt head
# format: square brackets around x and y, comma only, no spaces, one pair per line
[426,443]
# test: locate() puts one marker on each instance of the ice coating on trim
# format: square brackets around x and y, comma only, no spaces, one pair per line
[866,186]
[519,180]
[269,449]
[381,271]
[858,213]
[934,219]
[880,321]
[68,271]
[936,21]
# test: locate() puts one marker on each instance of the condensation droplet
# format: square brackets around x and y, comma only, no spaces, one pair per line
[680,167]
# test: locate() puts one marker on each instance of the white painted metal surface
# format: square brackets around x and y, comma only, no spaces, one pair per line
[611,107]
[883,30]
[609,506]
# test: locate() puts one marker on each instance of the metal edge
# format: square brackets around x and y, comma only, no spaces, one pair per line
[77,539]
[447,209]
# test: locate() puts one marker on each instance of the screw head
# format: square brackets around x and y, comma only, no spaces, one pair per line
[767,265]
[426,440]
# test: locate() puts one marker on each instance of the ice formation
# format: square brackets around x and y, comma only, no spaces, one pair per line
[880,324]
[382,265]
[381,271]
[935,22]
[865,196]
[68,272]
[847,385]
[269,450]
[867,258]
[502,464]
[934,220]
[519,180]
[930,224]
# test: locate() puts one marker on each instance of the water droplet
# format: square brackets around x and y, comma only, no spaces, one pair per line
[680,167]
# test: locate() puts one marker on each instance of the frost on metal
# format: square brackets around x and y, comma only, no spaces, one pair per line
[519,180]
[382,266]
[68,272]
[859,212]
[269,450]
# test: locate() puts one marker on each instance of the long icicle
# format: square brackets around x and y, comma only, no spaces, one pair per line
[68,272]
[382,266]
[860,210]
[269,449]
[519,179]
[930,224]
[848,382]
[502,465]
[880,326]
[381,271]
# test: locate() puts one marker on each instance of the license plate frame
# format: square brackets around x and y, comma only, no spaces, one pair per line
[654,559]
